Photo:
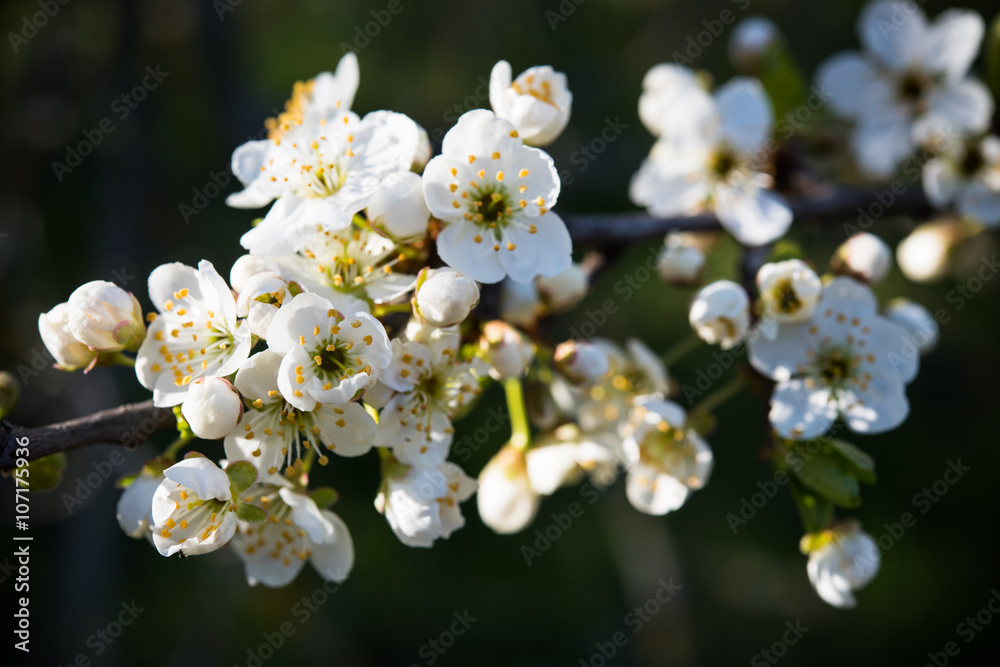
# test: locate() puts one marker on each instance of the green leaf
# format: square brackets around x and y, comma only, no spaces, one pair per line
[825,473]
[242,476]
[125,481]
[324,496]
[249,513]
[859,462]
[816,512]
[46,473]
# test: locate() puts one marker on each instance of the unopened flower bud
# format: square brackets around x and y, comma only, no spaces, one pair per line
[863,256]
[106,317]
[680,263]
[563,291]
[398,207]
[926,254]
[582,362]
[212,408]
[69,353]
[506,350]
[424,151]
[507,503]
[919,323]
[751,41]
[444,297]
[841,561]
[720,313]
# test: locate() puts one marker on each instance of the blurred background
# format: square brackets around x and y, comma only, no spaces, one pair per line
[151,190]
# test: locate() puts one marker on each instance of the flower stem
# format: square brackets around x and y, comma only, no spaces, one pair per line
[680,349]
[520,436]
[719,396]
[120,359]
[171,451]
[308,460]
[392,308]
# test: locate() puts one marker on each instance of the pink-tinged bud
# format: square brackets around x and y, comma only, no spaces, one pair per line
[105,317]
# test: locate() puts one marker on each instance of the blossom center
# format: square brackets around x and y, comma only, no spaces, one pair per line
[784,298]
[723,162]
[972,161]
[913,87]
[836,365]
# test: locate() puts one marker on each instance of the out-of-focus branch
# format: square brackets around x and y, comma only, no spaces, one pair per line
[835,204]
[128,425]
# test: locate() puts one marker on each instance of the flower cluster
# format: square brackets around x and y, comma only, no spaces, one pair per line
[386,289]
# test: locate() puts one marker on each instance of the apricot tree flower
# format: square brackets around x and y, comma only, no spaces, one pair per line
[320,173]
[967,175]
[272,431]
[711,159]
[666,459]
[431,385]
[847,360]
[494,194]
[274,551]
[196,334]
[326,357]
[909,85]
[421,503]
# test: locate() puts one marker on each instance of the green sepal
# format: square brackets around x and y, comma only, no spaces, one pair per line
[242,475]
[324,496]
[249,513]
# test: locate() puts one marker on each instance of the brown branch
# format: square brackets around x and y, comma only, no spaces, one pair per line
[839,204]
[131,425]
[128,426]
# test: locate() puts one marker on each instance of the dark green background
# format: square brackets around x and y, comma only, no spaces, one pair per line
[119,211]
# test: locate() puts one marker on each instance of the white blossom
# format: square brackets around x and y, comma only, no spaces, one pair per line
[967,176]
[789,292]
[352,268]
[494,195]
[259,300]
[666,459]
[421,503]
[320,173]
[431,385]
[847,360]
[135,505]
[196,334]
[248,266]
[709,157]
[909,85]
[918,322]
[327,357]
[272,431]
[274,551]
[537,102]
[193,508]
